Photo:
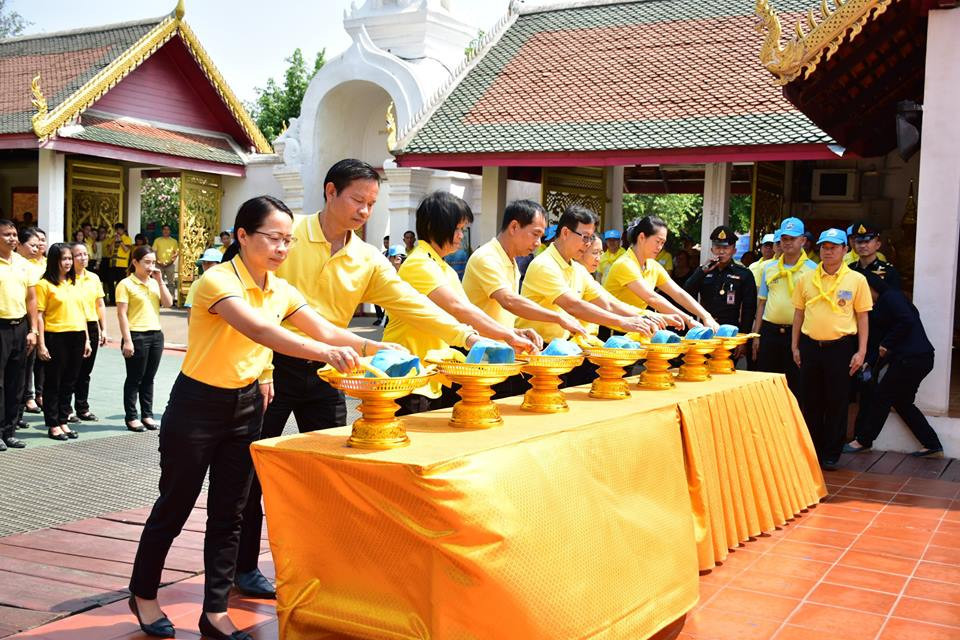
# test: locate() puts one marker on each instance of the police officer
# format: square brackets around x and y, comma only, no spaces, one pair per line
[726,289]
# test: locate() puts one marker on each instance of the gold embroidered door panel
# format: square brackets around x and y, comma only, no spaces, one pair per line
[200,195]
[95,195]
[767,201]
[584,186]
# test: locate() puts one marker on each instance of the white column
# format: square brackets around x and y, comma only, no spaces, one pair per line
[614,198]
[938,204]
[493,199]
[50,194]
[716,200]
[134,178]
[407,189]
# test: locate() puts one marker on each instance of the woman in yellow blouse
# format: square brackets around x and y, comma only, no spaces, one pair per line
[636,275]
[216,406]
[63,340]
[94,312]
[139,298]
[441,219]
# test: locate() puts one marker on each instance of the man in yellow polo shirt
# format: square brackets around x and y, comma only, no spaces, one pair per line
[556,281]
[829,342]
[774,318]
[18,334]
[168,250]
[335,271]
[492,277]
[614,249]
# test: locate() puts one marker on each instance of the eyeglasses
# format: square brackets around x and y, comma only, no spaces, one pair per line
[585,239]
[276,238]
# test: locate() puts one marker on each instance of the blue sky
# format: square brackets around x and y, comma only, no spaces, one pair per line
[247,42]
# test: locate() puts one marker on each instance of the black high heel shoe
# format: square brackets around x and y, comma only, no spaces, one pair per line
[161,628]
[207,630]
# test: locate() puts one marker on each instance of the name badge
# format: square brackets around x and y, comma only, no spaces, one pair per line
[732,298]
[845,294]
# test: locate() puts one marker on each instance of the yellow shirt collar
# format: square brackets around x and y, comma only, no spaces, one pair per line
[315,234]
[427,248]
[553,253]
[248,282]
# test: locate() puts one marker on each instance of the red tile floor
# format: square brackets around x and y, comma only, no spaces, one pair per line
[878,559]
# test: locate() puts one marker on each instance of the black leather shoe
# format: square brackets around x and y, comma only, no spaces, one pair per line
[86,416]
[150,426]
[73,435]
[254,584]
[207,630]
[136,428]
[73,419]
[161,628]
[22,424]
[829,465]
[14,443]
[59,436]
[3,447]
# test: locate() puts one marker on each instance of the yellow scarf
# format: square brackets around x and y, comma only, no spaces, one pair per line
[787,273]
[817,280]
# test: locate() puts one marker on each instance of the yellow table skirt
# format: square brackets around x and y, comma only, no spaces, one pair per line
[590,523]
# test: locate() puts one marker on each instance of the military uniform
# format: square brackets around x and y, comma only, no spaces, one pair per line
[728,294]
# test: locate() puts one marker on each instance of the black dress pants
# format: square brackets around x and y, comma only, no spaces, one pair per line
[825,379]
[141,369]
[775,355]
[315,405]
[897,389]
[13,356]
[203,428]
[66,356]
[81,390]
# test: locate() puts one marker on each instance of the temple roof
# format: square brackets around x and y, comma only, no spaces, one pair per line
[600,76]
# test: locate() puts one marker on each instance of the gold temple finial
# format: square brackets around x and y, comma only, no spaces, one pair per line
[391,128]
[180,11]
[39,102]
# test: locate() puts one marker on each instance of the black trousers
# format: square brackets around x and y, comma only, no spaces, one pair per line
[141,368]
[13,356]
[825,379]
[66,356]
[898,389]
[775,354]
[203,428]
[81,391]
[315,405]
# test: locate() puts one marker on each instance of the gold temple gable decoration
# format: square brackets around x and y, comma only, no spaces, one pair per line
[391,128]
[108,77]
[814,40]
[39,102]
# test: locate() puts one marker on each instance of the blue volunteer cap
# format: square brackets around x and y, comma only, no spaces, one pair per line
[769,238]
[613,234]
[396,250]
[776,235]
[792,227]
[550,233]
[211,255]
[836,236]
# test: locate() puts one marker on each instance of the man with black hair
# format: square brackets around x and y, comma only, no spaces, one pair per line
[335,271]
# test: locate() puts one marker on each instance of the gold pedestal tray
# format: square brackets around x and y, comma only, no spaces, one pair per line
[721,361]
[611,363]
[657,376]
[694,367]
[378,428]
[545,396]
[475,410]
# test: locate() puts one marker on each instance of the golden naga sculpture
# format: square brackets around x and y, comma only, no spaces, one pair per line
[821,39]
[39,102]
[391,129]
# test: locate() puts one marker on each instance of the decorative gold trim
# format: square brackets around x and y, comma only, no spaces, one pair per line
[805,50]
[46,124]
[391,128]
[39,102]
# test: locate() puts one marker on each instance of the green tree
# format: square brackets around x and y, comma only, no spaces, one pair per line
[11,22]
[683,212]
[275,104]
[160,202]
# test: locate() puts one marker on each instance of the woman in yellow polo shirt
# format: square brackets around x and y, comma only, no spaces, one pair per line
[139,298]
[636,275]
[94,312]
[63,340]
[441,219]
[216,406]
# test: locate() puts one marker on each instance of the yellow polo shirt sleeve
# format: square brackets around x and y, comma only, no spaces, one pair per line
[61,306]
[544,283]
[191,293]
[591,288]
[91,290]
[16,276]
[143,303]
[821,319]
[625,270]
[487,273]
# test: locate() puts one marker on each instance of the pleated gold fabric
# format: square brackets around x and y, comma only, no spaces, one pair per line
[588,524]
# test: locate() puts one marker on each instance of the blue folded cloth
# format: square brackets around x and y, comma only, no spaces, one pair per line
[561,347]
[664,337]
[490,351]
[727,331]
[621,342]
[699,333]
[395,364]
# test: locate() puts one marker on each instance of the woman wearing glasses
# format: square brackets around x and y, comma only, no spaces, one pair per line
[216,407]
[139,298]
[636,275]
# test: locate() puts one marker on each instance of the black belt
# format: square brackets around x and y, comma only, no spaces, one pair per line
[827,343]
[782,328]
[8,322]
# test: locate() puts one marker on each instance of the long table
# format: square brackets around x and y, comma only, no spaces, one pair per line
[591,523]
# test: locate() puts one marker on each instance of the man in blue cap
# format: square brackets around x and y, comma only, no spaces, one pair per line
[829,342]
[614,249]
[774,317]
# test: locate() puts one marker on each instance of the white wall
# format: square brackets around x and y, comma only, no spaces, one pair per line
[259,181]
